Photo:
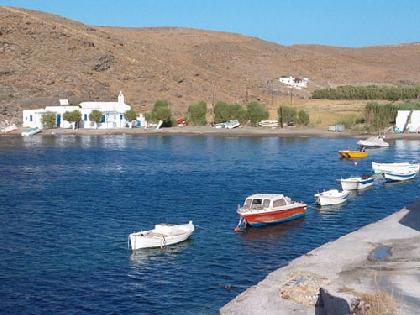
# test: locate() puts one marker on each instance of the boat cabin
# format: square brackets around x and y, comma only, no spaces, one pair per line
[265,201]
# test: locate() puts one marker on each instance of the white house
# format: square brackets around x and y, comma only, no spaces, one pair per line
[293,82]
[112,113]
[413,125]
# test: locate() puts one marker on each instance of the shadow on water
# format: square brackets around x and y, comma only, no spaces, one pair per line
[269,232]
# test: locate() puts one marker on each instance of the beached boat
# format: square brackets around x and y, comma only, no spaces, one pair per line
[399,176]
[230,124]
[373,142]
[347,154]
[268,123]
[9,128]
[263,209]
[331,197]
[162,235]
[356,183]
[30,131]
[381,168]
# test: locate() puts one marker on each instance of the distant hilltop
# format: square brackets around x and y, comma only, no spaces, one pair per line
[44,57]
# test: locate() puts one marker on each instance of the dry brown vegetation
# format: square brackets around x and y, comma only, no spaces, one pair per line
[44,57]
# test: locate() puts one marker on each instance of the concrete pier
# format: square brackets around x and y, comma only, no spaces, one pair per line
[383,257]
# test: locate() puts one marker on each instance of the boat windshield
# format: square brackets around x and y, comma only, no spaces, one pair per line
[257,204]
[279,203]
[247,204]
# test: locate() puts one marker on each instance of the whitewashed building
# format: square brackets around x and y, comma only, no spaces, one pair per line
[33,117]
[405,120]
[112,113]
[293,82]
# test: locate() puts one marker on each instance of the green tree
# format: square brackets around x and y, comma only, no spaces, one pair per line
[197,113]
[49,120]
[256,113]
[96,117]
[73,117]
[303,118]
[162,112]
[236,111]
[221,112]
[130,115]
[286,114]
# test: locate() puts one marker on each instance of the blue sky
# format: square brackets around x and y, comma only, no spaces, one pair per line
[340,23]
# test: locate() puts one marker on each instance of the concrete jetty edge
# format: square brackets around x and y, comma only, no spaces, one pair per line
[331,278]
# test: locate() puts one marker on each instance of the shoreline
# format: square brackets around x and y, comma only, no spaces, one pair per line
[324,281]
[207,130]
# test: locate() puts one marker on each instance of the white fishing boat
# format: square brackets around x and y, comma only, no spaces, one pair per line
[373,142]
[356,183]
[399,176]
[230,124]
[381,168]
[162,235]
[331,197]
[268,123]
[9,128]
[30,131]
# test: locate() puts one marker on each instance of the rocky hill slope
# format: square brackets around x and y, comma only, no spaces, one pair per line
[45,57]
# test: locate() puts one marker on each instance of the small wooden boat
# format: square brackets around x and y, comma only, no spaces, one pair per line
[356,183]
[162,235]
[331,197]
[381,168]
[347,154]
[30,131]
[263,209]
[399,176]
[373,142]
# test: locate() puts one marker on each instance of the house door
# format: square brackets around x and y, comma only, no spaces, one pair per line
[58,120]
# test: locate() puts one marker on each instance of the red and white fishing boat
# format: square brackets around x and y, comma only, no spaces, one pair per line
[263,209]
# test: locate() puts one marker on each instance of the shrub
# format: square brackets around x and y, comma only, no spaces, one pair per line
[303,118]
[370,92]
[197,113]
[256,113]
[95,116]
[49,120]
[130,115]
[287,114]
[162,112]
[221,112]
[73,117]
[238,112]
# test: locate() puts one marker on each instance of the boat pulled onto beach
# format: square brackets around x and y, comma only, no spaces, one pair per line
[264,209]
[162,235]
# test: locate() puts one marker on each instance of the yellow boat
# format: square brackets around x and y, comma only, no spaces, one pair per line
[347,154]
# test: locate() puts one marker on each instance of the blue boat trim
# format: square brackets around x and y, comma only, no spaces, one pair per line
[293,217]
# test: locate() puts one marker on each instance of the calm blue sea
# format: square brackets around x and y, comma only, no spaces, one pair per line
[68,203]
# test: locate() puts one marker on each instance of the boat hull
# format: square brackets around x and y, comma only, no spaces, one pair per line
[356,184]
[137,242]
[274,217]
[392,177]
[382,168]
[352,154]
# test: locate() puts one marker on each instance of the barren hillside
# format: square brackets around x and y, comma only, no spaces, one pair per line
[44,57]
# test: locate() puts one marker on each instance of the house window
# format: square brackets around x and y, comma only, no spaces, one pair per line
[121,117]
[30,117]
[103,119]
[85,117]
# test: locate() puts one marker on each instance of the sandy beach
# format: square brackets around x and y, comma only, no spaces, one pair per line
[207,130]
